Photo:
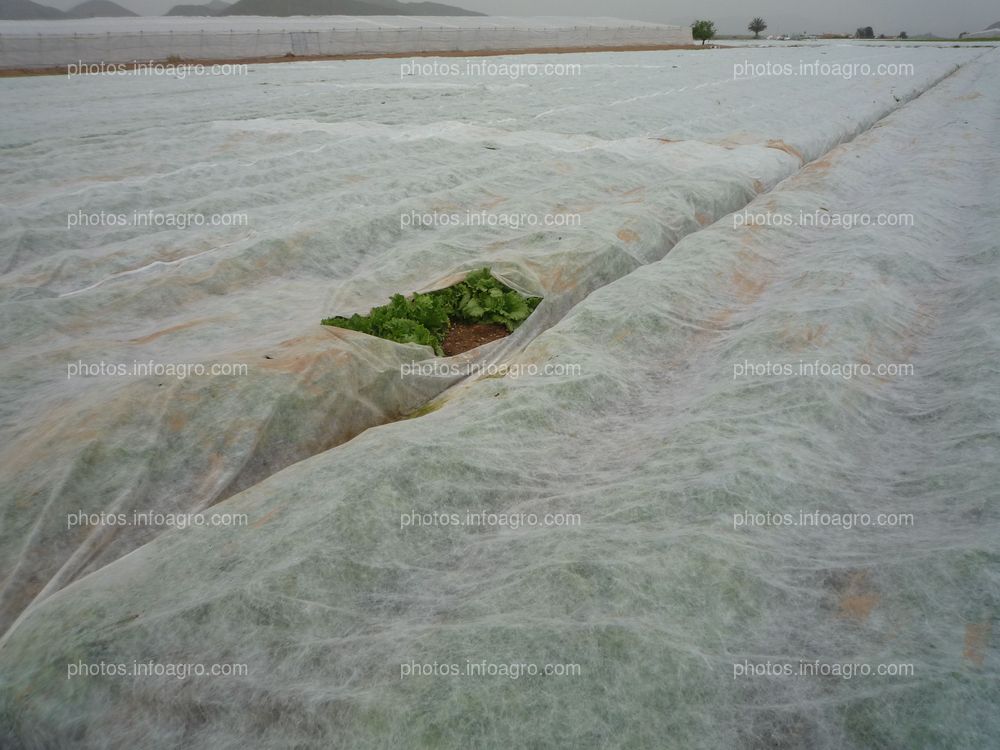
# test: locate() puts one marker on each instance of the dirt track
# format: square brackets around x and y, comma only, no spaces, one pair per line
[62,69]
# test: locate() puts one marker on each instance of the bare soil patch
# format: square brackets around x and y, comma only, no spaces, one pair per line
[464,336]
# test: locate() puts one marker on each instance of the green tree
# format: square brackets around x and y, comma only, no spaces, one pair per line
[757,25]
[865,32]
[703,30]
[903,35]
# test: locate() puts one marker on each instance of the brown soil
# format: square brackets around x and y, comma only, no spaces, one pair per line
[62,70]
[464,336]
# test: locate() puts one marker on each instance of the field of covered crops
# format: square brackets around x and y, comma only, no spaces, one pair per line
[723,474]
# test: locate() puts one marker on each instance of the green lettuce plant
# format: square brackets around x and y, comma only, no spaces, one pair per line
[425,318]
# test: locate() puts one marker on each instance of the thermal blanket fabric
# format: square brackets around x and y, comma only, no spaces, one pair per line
[662,412]
[311,210]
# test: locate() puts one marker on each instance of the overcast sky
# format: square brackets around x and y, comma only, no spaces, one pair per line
[817,16]
[782,16]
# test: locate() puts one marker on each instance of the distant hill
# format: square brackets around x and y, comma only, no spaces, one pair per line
[342,8]
[98,9]
[190,10]
[994,25]
[25,10]
[208,9]
[422,9]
